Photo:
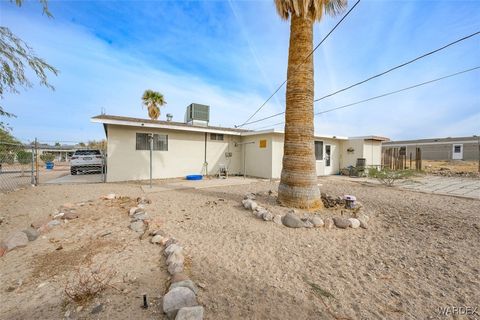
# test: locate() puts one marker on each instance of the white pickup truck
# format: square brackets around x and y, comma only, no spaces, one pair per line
[86,161]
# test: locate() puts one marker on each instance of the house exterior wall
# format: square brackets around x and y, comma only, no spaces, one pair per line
[258,160]
[372,152]
[439,151]
[185,154]
[350,158]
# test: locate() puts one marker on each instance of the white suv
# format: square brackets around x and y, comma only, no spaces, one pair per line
[86,161]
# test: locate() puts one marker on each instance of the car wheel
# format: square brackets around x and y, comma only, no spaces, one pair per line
[73,171]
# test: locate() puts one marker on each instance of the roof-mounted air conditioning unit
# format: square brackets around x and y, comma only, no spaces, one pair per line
[197,114]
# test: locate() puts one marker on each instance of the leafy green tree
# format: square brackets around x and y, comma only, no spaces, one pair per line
[17,59]
[24,158]
[47,157]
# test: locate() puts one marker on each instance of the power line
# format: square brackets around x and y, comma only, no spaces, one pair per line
[384,94]
[308,56]
[400,65]
[375,76]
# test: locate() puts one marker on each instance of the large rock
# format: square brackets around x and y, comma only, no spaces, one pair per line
[15,240]
[139,216]
[185,283]
[31,233]
[170,241]
[39,223]
[176,299]
[53,223]
[317,222]
[292,221]
[70,216]
[354,223]
[328,223]
[175,257]
[249,204]
[175,268]
[172,248]
[110,196]
[341,223]
[137,226]
[307,224]
[190,313]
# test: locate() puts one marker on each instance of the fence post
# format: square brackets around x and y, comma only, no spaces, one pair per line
[32,177]
[37,175]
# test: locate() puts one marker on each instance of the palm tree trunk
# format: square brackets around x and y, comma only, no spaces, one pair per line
[298,185]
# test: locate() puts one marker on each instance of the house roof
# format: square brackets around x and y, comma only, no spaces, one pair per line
[172,125]
[471,139]
[267,131]
[374,138]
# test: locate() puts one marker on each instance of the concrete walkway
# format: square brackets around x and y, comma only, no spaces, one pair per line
[77,179]
[198,184]
[454,186]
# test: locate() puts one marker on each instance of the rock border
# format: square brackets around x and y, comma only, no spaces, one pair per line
[359,219]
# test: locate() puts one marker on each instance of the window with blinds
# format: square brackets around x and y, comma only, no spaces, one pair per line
[319,150]
[216,136]
[160,142]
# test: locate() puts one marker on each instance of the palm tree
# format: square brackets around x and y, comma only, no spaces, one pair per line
[153,100]
[298,185]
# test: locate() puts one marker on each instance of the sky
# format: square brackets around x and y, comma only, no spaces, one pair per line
[232,55]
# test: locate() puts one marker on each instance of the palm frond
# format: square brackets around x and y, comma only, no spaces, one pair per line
[309,8]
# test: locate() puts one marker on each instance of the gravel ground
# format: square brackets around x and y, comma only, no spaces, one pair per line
[419,254]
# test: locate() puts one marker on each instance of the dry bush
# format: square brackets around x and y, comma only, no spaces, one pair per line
[88,282]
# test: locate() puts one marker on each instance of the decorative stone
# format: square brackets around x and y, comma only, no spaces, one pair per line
[70,216]
[53,223]
[341,222]
[31,233]
[170,241]
[277,219]
[175,257]
[317,222]
[139,216]
[185,283]
[308,224]
[267,216]
[143,200]
[137,226]
[292,221]
[38,223]
[363,217]
[176,299]
[363,224]
[15,240]
[354,223]
[328,223]
[172,248]
[156,239]
[110,196]
[132,211]
[250,196]
[190,313]
[249,204]
[175,268]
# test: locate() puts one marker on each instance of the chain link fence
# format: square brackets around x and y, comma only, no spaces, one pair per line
[50,163]
[17,166]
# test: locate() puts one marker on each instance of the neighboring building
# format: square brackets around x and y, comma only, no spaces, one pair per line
[180,149]
[458,148]
[62,153]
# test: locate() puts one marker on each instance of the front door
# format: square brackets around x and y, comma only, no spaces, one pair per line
[457,152]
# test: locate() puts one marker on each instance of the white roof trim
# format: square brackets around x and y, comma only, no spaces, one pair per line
[163,126]
[398,144]
[267,131]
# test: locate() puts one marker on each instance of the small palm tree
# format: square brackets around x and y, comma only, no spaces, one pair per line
[298,185]
[153,100]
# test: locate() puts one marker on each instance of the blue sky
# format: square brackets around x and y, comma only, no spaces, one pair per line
[232,55]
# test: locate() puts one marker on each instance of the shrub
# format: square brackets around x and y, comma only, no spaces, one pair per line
[388,176]
[24,157]
[47,157]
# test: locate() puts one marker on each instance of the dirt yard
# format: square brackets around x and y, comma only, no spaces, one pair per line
[420,253]
[451,168]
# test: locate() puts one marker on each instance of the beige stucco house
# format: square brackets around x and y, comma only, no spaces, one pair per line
[180,149]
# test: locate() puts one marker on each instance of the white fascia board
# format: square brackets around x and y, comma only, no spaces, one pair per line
[395,144]
[162,126]
[317,136]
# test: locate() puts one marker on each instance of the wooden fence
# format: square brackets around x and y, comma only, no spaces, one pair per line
[396,159]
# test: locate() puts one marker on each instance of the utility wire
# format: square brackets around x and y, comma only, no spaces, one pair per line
[375,76]
[296,69]
[384,94]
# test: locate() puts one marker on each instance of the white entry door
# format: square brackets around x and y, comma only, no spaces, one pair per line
[457,152]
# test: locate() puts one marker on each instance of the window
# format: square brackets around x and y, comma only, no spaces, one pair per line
[216,136]
[160,142]
[319,150]
[457,149]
